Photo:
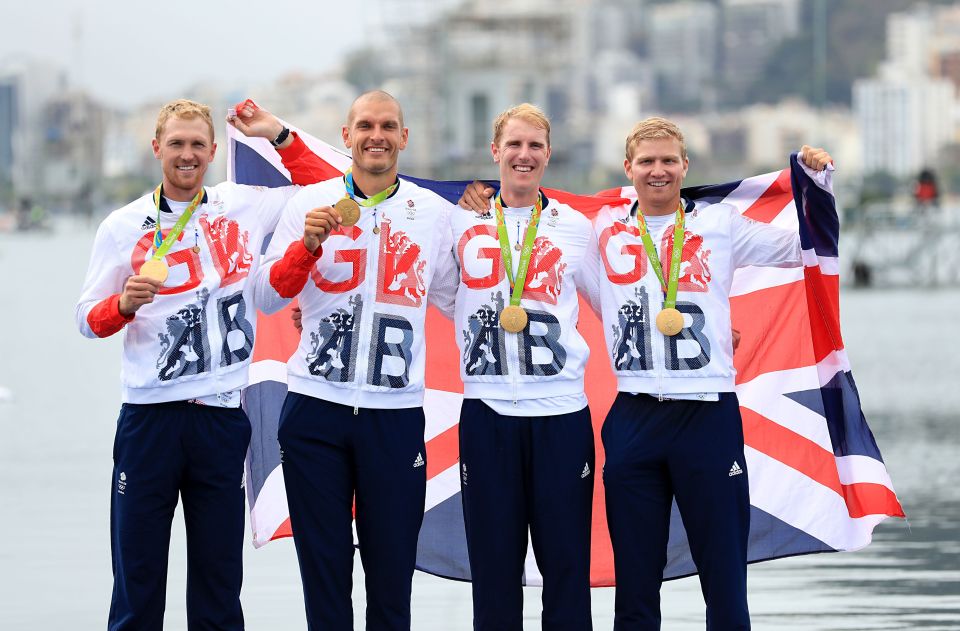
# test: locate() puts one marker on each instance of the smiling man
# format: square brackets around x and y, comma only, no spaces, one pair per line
[526,439]
[359,252]
[171,269]
[674,431]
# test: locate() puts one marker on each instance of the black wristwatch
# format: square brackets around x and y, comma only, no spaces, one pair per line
[281,137]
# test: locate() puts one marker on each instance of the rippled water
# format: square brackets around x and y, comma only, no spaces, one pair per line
[58,405]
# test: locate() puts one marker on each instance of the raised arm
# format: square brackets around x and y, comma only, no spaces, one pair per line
[304,165]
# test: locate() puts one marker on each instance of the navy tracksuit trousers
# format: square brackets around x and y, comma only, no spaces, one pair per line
[527,472]
[660,450]
[330,457]
[163,451]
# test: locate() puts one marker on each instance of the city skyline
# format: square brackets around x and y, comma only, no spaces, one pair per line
[125,54]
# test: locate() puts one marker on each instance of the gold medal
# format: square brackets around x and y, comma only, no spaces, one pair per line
[517,247]
[670,322]
[376,230]
[349,211]
[196,249]
[157,270]
[513,319]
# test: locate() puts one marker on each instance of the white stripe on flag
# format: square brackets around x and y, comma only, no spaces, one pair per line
[829,366]
[750,189]
[268,370]
[270,510]
[442,411]
[795,499]
[860,469]
[443,486]
[757,394]
[750,279]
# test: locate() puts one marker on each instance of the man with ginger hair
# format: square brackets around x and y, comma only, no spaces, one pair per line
[526,438]
[171,270]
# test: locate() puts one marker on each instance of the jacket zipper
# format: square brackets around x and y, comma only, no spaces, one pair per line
[372,263]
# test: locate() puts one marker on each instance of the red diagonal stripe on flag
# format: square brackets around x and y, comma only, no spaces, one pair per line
[277,338]
[443,358]
[775,330]
[283,531]
[823,302]
[868,498]
[443,451]
[773,200]
[790,448]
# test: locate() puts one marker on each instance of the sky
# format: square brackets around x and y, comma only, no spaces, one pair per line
[129,52]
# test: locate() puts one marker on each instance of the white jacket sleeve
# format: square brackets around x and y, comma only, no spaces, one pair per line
[289,228]
[590,274]
[271,204]
[446,276]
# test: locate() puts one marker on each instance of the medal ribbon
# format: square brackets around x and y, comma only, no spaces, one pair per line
[162,246]
[516,285]
[370,201]
[670,286]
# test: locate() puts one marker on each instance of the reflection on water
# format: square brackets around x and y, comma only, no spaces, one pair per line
[56,431]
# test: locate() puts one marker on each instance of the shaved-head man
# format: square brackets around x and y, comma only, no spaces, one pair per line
[359,253]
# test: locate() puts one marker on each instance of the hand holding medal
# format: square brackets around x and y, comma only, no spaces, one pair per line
[137,291]
[318,225]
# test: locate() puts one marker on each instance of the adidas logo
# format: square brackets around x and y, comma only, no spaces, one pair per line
[735,469]
[419,461]
[586,470]
[463,474]
[148,223]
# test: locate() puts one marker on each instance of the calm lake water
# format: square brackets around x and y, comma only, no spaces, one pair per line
[59,398]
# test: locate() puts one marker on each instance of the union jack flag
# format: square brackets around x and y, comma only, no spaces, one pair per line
[817,480]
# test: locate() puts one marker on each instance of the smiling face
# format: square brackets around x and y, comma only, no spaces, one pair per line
[375,135]
[656,167]
[523,152]
[185,149]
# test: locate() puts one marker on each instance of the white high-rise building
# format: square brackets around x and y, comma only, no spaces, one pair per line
[904,120]
[906,114]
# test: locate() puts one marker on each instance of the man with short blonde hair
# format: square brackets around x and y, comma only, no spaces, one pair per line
[674,431]
[525,112]
[172,268]
[654,128]
[526,439]
[184,109]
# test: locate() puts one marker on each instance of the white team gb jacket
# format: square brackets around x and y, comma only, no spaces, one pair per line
[364,300]
[548,357]
[196,338]
[717,241]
